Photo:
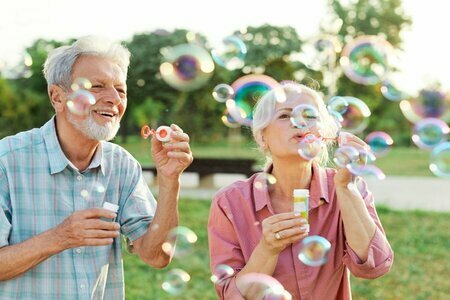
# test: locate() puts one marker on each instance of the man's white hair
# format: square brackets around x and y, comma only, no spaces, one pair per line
[60,61]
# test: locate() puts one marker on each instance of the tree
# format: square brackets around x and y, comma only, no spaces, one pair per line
[385,18]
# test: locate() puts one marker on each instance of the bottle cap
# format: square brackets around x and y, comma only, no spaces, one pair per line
[110,206]
[301,193]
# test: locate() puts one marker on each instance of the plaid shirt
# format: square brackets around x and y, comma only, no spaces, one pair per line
[40,187]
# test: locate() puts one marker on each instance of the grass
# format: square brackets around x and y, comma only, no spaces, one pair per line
[420,241]
[399,161]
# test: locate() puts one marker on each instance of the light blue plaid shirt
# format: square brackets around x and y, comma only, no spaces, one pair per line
[39,188]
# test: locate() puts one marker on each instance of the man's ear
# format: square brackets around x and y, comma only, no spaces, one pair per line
[57,97]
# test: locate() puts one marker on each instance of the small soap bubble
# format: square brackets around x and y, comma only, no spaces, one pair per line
[222,92]
[231,54]
[179,242]
[175,281]
[221,273]
[310,146]
[314,250]
[305,116]
[440,160]
[345,155]
[430,132]
[80,102]
[380,142]
[265,181]
[81,83]
[265,287]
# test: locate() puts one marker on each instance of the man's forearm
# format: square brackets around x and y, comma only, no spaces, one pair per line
[18,259]
[149,247]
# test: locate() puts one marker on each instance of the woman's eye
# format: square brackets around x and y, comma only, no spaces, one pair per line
[284,116]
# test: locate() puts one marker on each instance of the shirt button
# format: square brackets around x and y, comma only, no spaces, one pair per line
[78,250]
[79,177]
[82,286]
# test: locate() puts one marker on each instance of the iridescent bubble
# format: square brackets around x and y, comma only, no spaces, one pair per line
[247,90]
[79,102]
[305,116]
[356,116]
[222,92]
[365,60]
[380,142]
[265,181]
[314,250]
[221,273]
[392,93]
[231,54]
[175,281]
[310,146]
[262,286]
[440,160]
[81,83]
[179,242]
[187,67]
[345,155]
[367,171]
[229,121]
[337,104]
[430,103]
[430,132]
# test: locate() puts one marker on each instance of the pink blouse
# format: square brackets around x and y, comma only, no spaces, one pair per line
[234,230]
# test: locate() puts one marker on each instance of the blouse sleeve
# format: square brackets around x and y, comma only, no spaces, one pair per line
[380,254]
[224,249]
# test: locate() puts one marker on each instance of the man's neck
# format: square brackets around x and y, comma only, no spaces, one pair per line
[78,148]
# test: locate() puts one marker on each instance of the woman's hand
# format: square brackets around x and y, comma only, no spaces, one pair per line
[173,157]
[281,230]
[343,176]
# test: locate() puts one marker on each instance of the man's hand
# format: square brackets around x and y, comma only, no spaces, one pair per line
[173,157]
[85,228]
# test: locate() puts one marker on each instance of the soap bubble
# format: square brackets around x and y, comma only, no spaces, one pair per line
[175,281]
[314,250]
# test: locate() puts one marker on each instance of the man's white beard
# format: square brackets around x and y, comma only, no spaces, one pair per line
[92,130]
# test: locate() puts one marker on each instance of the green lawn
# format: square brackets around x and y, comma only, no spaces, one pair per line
[399,161]
[421,266]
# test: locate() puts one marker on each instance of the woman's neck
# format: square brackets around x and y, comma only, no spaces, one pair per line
[290,176]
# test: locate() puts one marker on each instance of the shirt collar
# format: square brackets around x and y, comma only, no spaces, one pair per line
[318,189]
[56,157]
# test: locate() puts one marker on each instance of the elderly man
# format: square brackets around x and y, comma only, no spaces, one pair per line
[56,240]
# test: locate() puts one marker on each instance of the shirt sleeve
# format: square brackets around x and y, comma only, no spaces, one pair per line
[380,256]
[138,206]
[5,209]
[224,249]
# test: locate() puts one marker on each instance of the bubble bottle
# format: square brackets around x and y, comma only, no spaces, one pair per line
[301,203]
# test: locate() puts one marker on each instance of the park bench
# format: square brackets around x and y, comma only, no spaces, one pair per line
[207,167]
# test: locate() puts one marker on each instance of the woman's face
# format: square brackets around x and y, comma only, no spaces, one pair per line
[281,136]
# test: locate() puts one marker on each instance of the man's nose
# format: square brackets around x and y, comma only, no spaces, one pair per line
[112,96]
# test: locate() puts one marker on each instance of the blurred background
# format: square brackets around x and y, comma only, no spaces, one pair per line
[203,65]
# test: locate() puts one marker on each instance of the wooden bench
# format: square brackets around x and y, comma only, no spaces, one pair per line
[207,167]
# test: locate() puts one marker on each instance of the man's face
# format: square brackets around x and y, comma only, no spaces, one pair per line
[110,92]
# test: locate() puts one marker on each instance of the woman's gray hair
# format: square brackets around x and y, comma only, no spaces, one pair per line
[264,111]
[60,61]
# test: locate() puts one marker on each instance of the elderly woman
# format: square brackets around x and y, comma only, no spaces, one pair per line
[255,230]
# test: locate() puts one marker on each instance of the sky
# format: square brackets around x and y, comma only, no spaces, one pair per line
[426,50]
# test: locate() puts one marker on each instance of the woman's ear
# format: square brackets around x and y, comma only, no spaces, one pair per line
[57,97]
